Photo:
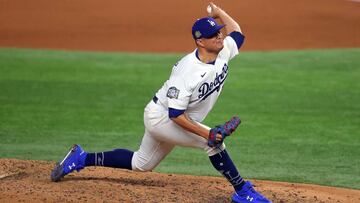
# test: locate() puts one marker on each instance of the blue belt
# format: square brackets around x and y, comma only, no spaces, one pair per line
[155,99]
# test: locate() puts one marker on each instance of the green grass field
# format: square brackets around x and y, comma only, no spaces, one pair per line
[300,110]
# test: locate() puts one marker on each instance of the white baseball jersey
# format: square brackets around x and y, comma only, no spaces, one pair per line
[194,86]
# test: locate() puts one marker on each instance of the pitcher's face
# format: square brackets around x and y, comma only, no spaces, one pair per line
[214,43]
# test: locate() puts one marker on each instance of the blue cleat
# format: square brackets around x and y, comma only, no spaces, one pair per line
[248,194]
[74,160]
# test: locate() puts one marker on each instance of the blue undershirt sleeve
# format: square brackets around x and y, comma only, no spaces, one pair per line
[238,37]
[173,113]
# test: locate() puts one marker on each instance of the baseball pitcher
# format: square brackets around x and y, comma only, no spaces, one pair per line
[173,117]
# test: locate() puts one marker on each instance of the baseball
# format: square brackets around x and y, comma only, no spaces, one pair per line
[209,9]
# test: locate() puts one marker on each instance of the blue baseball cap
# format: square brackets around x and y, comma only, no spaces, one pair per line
[205,27]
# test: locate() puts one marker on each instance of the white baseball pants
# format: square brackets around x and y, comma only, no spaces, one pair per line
[161,136]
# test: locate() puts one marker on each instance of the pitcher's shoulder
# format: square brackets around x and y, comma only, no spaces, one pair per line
[186,64]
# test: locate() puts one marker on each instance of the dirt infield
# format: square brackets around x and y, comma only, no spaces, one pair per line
[29,181]
[165,26]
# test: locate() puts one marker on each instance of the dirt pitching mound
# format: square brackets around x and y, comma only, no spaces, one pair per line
[29,181]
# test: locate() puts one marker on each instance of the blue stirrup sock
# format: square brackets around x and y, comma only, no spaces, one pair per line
[118,158]
[223,163]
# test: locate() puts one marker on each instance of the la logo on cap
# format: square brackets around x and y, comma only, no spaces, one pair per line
[212,23]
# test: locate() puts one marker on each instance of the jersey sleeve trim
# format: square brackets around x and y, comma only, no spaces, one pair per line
[173,113]
[238,38]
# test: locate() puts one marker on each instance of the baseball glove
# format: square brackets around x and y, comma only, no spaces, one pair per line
[224,130]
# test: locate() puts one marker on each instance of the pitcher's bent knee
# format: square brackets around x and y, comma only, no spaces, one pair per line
[141,163]
[212,151]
